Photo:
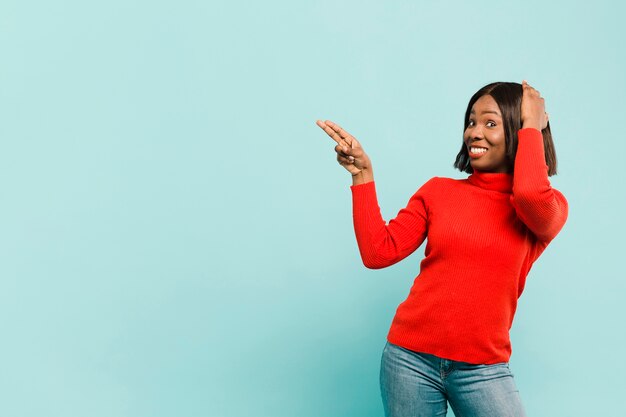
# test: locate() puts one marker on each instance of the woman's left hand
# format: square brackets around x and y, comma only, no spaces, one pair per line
[533,108]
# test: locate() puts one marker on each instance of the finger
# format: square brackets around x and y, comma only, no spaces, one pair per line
[328,131]
[346,163]
[334,135]
[528,87]
[341,131]
[344,159]
[355,152]
[331,132]
[534,90]
[343,151]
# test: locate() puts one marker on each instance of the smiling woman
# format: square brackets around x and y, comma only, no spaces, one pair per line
[449,340]
[494,115]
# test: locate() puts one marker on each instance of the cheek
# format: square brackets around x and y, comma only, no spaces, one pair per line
[501,142]
[500,155]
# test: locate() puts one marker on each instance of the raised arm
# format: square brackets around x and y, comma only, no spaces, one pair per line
[540,207]
[381,244]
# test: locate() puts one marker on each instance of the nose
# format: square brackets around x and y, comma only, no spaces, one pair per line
[474,133]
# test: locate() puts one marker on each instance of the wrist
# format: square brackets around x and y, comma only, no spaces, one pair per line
[363,176]
[531,124]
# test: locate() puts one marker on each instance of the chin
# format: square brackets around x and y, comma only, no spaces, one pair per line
[486,167]
[480,167]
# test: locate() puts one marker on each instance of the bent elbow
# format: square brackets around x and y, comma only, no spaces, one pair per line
[553,228]
[377,262]
[548,234]
[369,264]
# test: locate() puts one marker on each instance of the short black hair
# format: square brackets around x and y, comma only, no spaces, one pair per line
[508,96]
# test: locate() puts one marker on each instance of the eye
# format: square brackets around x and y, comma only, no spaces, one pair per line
[470,123]
[490,121]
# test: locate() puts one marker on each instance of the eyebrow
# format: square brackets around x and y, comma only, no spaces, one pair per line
[486,111]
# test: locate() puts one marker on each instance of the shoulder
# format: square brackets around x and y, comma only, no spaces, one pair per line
[562,202]
[442,182]
[559,195]
[437,185]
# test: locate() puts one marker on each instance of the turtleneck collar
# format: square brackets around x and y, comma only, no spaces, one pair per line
[494,181]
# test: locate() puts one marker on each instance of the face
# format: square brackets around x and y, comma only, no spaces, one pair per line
[485,138]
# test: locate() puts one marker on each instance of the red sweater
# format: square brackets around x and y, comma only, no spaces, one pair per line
[484,233]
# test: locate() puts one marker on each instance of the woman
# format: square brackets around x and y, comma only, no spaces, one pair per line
[449,340]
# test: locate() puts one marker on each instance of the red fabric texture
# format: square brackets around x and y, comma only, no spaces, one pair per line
[483,235]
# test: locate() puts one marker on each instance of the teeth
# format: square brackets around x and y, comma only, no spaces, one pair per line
[478,150]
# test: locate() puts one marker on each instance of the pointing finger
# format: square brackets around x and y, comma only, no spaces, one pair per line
[332,133]
[342,150]
[342,133]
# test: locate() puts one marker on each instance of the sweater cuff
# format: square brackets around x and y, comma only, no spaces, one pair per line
[364,199]
[529,132]
[364,187]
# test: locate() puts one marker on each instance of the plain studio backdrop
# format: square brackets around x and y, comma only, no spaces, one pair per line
[176,234]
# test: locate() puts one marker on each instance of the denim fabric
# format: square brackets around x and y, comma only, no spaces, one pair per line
[415,384]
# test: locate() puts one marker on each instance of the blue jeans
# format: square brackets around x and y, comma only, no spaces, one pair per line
[415,384]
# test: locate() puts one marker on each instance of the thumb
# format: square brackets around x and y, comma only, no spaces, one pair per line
[352,152]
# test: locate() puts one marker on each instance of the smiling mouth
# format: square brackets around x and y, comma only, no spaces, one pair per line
[477,151]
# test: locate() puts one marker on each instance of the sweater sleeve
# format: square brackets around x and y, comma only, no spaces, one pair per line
[540,207]
[381,244]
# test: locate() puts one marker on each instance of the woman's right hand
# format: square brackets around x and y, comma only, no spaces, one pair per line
[350,154]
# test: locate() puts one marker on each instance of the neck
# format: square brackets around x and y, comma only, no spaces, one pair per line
[494,181]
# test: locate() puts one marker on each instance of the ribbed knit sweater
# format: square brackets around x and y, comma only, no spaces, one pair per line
[484,233]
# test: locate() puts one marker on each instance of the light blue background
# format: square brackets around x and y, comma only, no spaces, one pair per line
[176,234]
